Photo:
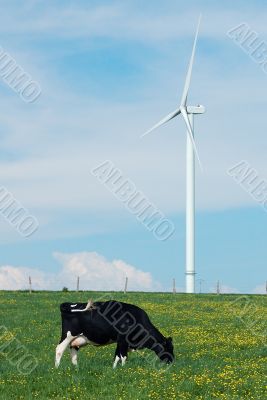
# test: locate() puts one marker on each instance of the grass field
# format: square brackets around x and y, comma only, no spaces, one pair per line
[220,348]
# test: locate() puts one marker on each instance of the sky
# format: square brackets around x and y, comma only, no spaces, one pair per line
[108,71]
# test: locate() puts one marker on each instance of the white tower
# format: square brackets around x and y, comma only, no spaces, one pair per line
[188,113]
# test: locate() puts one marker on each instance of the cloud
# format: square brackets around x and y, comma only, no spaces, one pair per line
[50,147]
[224,289]
[260,289]
[120,20]
[95,272]
[16,278]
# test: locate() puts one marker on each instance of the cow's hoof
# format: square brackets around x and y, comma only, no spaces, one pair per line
[123,360]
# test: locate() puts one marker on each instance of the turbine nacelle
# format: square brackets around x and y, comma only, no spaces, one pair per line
[199,109]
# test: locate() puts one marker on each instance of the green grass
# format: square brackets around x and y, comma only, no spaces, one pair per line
[218,355]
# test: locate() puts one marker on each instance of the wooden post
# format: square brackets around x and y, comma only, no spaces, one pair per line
[266,287]
[126,285]
[30,284]
[173,286]
[200,284]
[218,287]
[78,284]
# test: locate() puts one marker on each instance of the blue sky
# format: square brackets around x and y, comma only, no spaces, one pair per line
[108,72]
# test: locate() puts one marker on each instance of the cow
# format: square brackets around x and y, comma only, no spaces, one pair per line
[102,323]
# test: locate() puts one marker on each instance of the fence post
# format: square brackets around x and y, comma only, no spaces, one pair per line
[218,287]
[200,281]
[78,284]
[126,285]
[173,286]
[30,284]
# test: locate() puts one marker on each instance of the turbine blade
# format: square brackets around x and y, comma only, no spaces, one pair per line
[189,71]
[163,121]
[190,133]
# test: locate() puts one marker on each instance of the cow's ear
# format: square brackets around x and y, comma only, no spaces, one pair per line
[169,339]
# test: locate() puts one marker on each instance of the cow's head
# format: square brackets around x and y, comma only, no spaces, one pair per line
[167,355]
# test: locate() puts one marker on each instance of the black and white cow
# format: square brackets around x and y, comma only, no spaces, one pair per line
[103,323]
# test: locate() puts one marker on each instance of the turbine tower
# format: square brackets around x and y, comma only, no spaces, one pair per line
[188,112]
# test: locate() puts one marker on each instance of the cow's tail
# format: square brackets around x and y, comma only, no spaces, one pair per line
[77,307]
[90,306]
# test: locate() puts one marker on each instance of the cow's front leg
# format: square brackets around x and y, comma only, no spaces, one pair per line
[121,352]
[61,347]
[124,352]
[117,356]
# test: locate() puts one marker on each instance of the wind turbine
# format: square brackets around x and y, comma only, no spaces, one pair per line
[188,112]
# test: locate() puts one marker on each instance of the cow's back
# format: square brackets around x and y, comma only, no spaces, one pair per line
[105,321]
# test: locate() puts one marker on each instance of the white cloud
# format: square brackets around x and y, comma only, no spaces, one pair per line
[121,20]
[225,289]
[95,272]
[49,148]
[260,289]
[17,278]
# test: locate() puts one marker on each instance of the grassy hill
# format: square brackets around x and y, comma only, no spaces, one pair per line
[220,347]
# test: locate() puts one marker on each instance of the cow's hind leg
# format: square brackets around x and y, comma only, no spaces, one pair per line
[78,342]
[74,355]
[61,347]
